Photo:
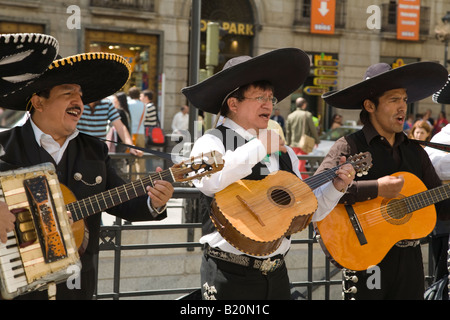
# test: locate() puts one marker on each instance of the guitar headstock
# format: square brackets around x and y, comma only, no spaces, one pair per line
[205,164]
[361,162]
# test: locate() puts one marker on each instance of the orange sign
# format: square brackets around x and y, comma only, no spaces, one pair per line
[323,16]
[408,20]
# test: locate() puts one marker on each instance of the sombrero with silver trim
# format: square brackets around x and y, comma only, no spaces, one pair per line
[286,69]
[443,95]
[420,79]
[23,58]
[99,75]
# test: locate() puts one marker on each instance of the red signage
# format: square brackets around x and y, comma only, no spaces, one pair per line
[323,16]
[408,20]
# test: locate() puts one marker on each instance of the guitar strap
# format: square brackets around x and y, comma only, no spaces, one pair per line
[440,146]
[160,154]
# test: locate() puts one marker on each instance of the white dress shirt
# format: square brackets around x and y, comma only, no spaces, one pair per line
[49,144]
[56,151]
[440,159]
[237,165]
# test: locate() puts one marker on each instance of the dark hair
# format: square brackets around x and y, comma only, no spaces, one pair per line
[364,116]
[239,94]
[44,93]
[148,94]
[134,93]
[122,98]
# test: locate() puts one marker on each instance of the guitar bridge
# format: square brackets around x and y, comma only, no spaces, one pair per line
[356,225]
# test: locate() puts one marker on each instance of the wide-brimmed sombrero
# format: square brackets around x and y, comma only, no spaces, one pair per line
[99,75]
[286,69]
[443,95]
[23,58]
[420,79]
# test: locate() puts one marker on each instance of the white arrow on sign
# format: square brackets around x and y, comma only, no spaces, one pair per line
[323,8]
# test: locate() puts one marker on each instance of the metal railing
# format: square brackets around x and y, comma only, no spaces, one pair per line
[111,240]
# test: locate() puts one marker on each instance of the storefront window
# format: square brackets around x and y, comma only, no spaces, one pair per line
[137,57]
[140,50]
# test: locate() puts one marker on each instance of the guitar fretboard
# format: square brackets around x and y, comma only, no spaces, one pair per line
[113,197]
[361,164]
[427,198]
[322,178]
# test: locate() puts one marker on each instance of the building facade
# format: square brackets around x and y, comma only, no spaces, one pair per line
[155,38]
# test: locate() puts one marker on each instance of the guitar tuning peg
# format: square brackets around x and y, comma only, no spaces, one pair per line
[351,290]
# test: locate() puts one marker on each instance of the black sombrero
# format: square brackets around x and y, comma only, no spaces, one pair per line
[443,95]
[286,69]
[23,58]
[420,79]
[98,74]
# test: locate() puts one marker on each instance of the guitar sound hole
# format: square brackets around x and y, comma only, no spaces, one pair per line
[395,211]
[281,197]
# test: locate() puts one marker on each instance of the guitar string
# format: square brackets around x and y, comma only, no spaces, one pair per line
[298,187]
[399,206]
[116,194]
[311,183]
[402,203]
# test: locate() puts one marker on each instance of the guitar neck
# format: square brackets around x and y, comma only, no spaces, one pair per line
[84,208]
[427,198]
[316,181]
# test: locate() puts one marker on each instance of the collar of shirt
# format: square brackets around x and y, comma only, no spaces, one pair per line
[269,160]
[247,135]
[370,133]
[47,142]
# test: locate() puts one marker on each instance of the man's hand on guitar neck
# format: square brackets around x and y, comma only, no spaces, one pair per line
[6,221]
[344,175]
[160,193]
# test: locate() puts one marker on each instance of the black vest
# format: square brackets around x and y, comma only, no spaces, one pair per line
[231,140]
[382,160]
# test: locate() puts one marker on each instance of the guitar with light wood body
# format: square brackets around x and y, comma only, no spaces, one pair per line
[359,236]
[254,216]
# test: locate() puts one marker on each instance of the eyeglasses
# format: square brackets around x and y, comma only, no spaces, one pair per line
[262,99]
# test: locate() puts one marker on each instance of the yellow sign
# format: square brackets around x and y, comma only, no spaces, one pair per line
[325,72]
[326,82]
[241,29]
[332,63]
[315,91]
[398,63]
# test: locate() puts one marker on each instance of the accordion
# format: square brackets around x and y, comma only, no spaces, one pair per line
[42,249]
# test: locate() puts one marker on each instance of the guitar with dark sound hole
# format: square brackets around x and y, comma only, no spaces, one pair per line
[254,216]
[359,236]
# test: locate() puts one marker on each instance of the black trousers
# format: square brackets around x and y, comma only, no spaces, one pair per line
[439,246]
[223,280]
[400,276]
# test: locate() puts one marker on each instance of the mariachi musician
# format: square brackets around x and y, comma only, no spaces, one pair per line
[245,92]
[23,57]
[383,96]
[56,100]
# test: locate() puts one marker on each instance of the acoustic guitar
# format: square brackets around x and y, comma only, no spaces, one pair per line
[201,166]
[254,216]
[359,236]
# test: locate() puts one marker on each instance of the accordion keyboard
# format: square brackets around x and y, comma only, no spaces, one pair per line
[11,265]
